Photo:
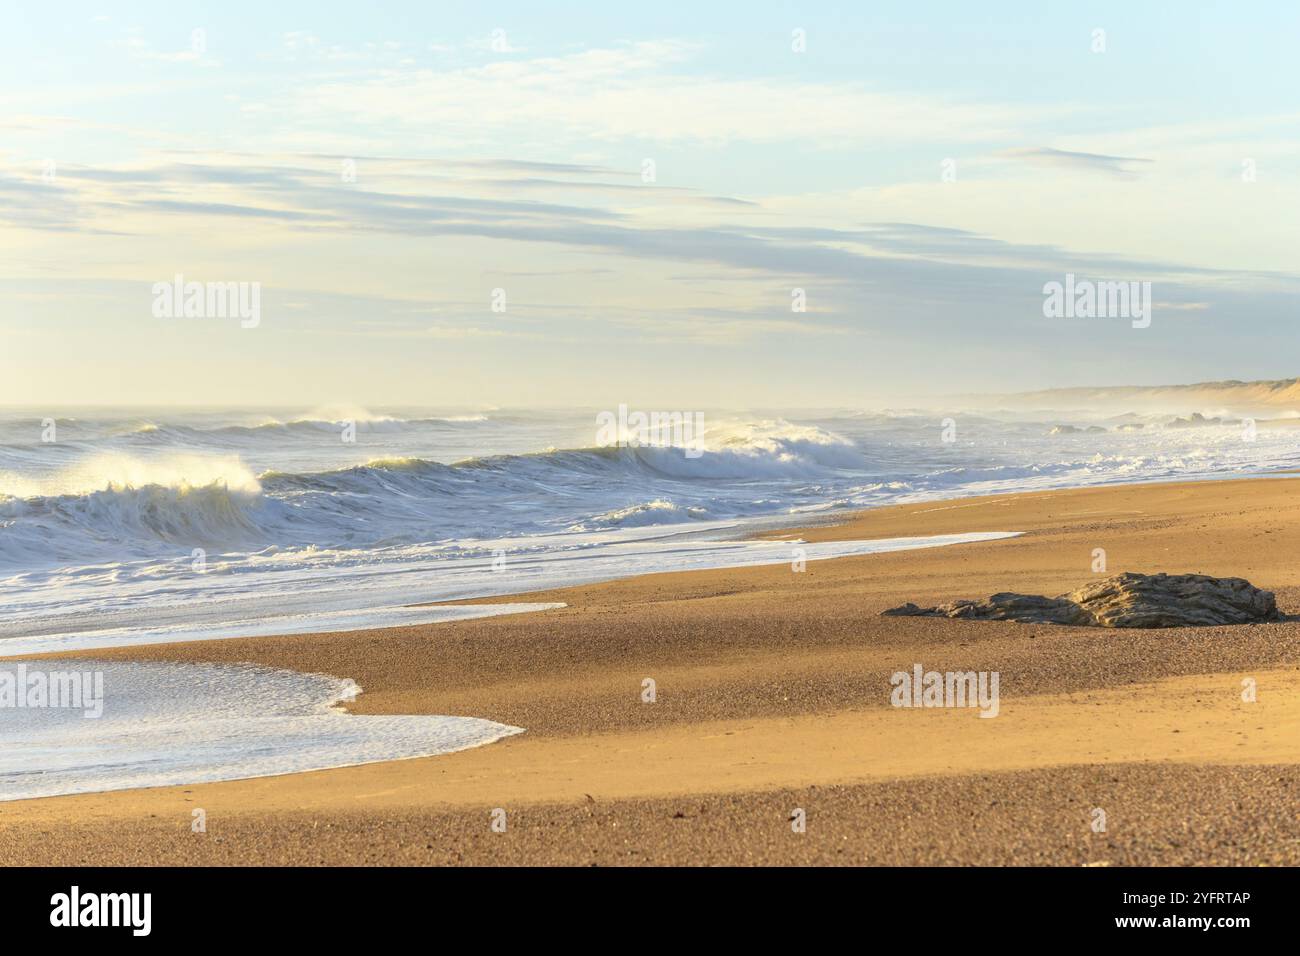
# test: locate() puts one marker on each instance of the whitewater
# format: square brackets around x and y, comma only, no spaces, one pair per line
[166,724]
[141,525]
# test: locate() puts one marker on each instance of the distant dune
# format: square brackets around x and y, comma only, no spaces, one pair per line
[1275,397]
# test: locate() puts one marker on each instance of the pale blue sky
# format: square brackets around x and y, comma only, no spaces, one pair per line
[517,164]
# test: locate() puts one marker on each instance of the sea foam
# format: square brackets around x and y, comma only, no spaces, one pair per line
[166,724]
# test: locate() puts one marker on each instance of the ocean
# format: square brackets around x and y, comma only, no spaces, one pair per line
[142,525]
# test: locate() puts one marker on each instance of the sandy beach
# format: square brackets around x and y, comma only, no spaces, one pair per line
[773,696]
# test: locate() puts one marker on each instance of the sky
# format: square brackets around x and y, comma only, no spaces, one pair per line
[676,205]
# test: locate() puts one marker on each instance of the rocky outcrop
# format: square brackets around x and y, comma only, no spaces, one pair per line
[1124,600]
[1198,420]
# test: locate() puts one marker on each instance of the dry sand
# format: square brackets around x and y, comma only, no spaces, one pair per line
[773,694]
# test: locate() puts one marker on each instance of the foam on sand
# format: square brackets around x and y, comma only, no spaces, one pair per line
[219,628]
[166,724]
[385,593]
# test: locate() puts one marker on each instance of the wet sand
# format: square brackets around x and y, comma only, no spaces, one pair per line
[772,693]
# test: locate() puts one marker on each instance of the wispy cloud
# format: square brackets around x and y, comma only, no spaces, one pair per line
[641,91]
[1087,162]
[382,178]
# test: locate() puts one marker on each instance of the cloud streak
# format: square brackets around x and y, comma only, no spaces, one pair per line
[1124,166]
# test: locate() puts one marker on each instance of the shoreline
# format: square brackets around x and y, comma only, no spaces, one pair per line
[760,655]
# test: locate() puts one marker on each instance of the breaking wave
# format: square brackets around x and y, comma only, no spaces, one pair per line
[292,490]
[111,507]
